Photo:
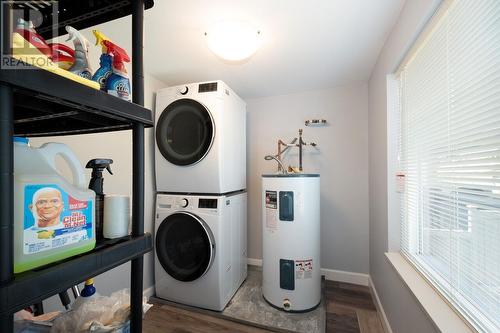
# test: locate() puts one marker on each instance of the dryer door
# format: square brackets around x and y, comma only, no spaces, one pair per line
[185,246]
[185,132]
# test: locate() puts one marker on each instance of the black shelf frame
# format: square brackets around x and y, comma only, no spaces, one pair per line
[34,102]
[96,12]
[41,97]
[34,286]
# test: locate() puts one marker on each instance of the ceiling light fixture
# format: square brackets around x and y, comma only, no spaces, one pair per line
[233,40]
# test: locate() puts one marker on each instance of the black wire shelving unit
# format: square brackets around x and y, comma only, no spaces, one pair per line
[35,103]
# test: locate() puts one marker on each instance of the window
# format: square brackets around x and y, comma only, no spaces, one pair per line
[449,158]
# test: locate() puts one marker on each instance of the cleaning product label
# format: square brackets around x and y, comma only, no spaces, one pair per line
[119,87]
[104,72]
[52,218]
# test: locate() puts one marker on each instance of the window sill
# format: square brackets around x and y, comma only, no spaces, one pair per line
[439,311]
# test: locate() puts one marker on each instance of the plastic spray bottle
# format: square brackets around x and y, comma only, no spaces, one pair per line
[105,61]
[81,66]
[27,30]
[96,184]
[60,54]
[118,84]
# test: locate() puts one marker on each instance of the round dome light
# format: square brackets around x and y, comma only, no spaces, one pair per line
[233,40]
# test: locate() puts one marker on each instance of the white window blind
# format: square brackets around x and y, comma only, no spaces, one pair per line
[449,156]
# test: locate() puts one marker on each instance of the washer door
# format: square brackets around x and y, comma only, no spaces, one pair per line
[185,246]
[185,132]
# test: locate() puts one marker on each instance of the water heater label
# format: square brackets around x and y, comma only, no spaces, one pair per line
[303,269]
[271,209]
[271,220]
[52,218]
[271,199]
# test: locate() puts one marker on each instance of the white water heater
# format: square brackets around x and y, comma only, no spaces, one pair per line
[291,277]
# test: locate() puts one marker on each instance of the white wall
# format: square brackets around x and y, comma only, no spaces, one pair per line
[341,159]
[117,146]
[403,310]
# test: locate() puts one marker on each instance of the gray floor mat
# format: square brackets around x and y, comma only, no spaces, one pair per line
[248,305]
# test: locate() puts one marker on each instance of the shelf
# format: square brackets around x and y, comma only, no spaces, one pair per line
[78,14]
[49,104]
[35,102]
[34,286]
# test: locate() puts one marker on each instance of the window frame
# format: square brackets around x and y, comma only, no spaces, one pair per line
[409,269]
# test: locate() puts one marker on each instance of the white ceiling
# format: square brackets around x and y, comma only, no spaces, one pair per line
[307,45]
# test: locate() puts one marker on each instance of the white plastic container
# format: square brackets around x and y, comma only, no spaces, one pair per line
[291,277]
[116,217]
[53,219]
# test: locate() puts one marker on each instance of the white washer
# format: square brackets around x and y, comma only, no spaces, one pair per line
[200,248]
[200,131]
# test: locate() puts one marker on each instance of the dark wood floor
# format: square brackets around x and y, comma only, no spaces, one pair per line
[349,309]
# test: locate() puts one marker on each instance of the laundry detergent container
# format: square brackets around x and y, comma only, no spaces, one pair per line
[53,219]
[291,241]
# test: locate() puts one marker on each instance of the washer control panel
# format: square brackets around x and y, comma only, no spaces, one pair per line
[188,203]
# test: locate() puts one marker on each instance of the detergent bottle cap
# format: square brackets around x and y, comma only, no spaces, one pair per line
[27,25]
[22,140]
[119,55]
[89,288]
[21,24]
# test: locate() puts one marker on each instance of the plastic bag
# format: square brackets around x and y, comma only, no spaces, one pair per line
[26,322]
[97,313]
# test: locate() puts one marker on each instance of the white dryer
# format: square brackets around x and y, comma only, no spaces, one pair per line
[200,139]
[200,248]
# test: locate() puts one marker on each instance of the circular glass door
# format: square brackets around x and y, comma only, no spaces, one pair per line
[184,246]
[184,132]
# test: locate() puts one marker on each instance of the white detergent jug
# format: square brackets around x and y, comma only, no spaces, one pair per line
[53,219]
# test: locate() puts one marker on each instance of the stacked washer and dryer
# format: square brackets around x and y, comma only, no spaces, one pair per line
[201,203]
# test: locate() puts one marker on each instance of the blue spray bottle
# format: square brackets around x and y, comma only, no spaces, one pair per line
[105,61]
[118,84]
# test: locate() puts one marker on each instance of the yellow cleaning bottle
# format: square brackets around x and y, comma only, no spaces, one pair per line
[53,219]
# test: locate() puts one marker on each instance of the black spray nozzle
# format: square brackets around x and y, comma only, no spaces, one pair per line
[98,165]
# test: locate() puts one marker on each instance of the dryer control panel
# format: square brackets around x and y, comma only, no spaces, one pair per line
[207,203]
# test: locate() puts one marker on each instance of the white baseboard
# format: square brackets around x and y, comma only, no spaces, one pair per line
[380,309]
[343,276]
[149,292]
[330,274]
[254,262]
